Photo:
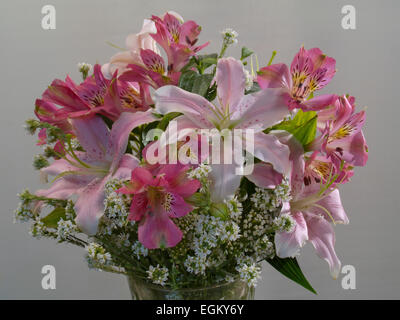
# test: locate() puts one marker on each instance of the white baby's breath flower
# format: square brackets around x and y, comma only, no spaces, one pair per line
[284,223]
[158,275]
[97,256]
[84,67]
[229,36]
[65,228]
[139,250]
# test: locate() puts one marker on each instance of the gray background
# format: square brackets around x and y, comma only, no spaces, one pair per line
[367,62]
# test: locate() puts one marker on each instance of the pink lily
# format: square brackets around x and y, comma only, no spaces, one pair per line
[310,70]
[234,110]
[158,197]
[86,173]
[313,207]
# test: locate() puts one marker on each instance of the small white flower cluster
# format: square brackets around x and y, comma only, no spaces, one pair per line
[209,233]
[284,223]
[229,36]
[249,273]
[235,208]
[139,250]
[38,229]
[264,248]
[158,275]
[65,229]
[84,67]
[196,264]
[115,212]
[75,144]
[201,173]
[282,193]
[69,210]
[249,79]
[97,256]
[271,199]
[23,213]
[229,278]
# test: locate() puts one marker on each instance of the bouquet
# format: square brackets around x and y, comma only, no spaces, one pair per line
[186,170]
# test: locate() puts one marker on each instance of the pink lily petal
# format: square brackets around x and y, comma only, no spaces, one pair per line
[120,131]
[268,108]
[231,81]
[127,164]
[333,204]
[193,106]
[322,236]
[90,206]
[289,244]
[268,148]
[296,158]
[224,181]
[60,189]
[93,135]
[264,176]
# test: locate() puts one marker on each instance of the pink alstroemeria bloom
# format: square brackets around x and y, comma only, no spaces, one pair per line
[310,70]
[134,43]
[177,38]
[342,138]
[234,110]
[313,207]
[103,159]
[123,96]
[65,99]
[321,169]
[158,197]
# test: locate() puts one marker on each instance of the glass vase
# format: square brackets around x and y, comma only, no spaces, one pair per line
[236,290]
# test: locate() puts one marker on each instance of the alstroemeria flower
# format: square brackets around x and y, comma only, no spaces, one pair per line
[310,70]
[342,138]
[234,110]
[65,99]
[86,174]
[123,96]
[134,43]
[321,169]
[313,207]
[145,65]
[158,197]
[177,38]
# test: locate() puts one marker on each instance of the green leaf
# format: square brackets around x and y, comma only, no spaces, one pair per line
[187,79]
[303,127]
[51,220]
[202,83]
[291,269]
[196,83]
[246,52]
[207,60]
[163,124]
